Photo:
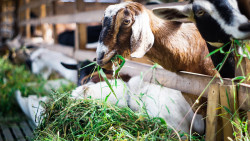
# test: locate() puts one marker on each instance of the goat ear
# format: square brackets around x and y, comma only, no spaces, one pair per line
[175,13]
[142,38]
[70,66]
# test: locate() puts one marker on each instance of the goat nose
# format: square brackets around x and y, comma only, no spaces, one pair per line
[245,27]
[100,56]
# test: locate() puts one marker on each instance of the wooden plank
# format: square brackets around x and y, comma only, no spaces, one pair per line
[81,36]
[182,81]
[67,50]
[228,102]
[91,16]
[43,15]
[17,132]
[34,4]
[212,112]
[28,133]
[81,30]
[27,17]
[8,13]
[6,133]
[244,70]
[32,125]
[54,27]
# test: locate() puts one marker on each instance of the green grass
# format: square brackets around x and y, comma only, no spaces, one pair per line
[14,77]
[69,119]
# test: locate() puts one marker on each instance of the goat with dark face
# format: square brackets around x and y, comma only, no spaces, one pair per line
[129,29]
[84,69]
[217,20]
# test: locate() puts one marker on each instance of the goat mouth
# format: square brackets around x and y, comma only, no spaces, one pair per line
[107,59]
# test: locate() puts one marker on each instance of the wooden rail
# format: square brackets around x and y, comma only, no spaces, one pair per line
[186,82]
[93,16]
[34,4]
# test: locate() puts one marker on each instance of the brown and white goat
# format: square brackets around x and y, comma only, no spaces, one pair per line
[131,29]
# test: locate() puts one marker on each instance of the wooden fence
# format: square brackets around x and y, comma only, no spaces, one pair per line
[218,92]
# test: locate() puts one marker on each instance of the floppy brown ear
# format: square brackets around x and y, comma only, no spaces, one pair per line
[181,13]
[142,38]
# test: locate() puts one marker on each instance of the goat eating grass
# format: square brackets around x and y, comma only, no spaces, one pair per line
[129,29]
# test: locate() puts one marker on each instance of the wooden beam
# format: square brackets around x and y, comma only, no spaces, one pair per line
[67,50]
[43,15]
[27,17]
[81,30]
[34,4]
[91,16]
[212,112]
[244,70]
[229,108]
[183,81]
[54,27]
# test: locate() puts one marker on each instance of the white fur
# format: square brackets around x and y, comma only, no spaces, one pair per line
[154,97]
[101,48]
[113,9]
[166,103]
[101,90]
[142,37]
[234,4]
[44,59]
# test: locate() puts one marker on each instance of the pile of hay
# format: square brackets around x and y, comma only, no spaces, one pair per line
[69,119]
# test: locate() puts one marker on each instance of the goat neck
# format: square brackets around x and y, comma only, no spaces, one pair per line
[174,41]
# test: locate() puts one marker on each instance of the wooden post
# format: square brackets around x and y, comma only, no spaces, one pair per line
[229,101]
[43,15]
[1,19]
[20,16]
[27,17]
[244,70]
[54,25]
[81,31]
[212,112]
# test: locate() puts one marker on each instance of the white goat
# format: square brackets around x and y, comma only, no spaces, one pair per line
[43,61]
[158,101]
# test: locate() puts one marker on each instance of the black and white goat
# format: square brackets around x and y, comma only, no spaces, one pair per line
[217,20]
[43,61]
[84,69]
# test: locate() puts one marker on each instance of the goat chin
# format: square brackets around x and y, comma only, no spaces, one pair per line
[159,101]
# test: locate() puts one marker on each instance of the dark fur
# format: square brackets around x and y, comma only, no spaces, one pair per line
[68,37]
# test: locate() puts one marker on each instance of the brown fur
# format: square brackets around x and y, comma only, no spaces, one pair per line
[177,47]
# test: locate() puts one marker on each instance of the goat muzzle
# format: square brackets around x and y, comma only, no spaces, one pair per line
[105,59]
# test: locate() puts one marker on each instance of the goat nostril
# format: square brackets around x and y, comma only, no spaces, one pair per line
[101,56]
[99,62]
[94,59]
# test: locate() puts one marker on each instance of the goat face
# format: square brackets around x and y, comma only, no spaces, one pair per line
[217,20]
[126,31]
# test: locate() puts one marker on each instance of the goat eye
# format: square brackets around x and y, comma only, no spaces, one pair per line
[126,22]
[200,13]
